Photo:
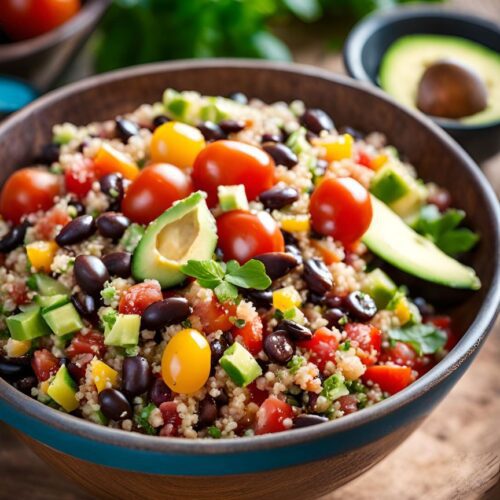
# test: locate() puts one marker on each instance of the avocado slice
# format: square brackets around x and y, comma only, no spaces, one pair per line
[395,242]
[406,60]
[186,231]
[380,287]
[232,198]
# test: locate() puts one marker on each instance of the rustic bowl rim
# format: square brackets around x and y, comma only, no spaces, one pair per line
[469,343]
[91,11]
[384,20]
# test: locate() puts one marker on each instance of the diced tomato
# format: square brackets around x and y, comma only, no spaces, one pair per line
[44,364]
[171,419]
[368,340]
[251,334]
[18,292]
[271,416]
[322,345]
[390,378]
[79,177]
[78,365]
[401,354]
[348,404]
[364,159]
[138,297]
[214,315]
[257,396]
[444,323]
[423,364]
[46,225]
[92,343]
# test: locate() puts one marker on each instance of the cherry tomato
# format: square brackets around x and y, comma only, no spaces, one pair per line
[55,218]
[91,343]
[171,419]
[251,334]
[44,364]
[153,191]
[185,364]
[79,177]
[29,18]
[341,208]
[368,340]
[214,315]
[390,378]
[243,235]
[176,143]
[322,345]
[138,297]
[271,416]
[400,354]
[26,191]
[227,163]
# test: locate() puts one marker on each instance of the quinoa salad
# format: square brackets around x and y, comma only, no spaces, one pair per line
[218,267]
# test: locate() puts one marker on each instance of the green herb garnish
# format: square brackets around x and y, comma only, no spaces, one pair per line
[295,363]
[142,419]
[214,432]
[334,387]
[424,338]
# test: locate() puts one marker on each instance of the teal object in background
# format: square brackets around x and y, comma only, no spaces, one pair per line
[15,94]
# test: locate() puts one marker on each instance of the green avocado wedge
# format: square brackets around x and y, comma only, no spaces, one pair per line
[393,241]
[186,231]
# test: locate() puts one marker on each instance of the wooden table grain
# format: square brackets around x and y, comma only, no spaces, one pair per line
[455,454]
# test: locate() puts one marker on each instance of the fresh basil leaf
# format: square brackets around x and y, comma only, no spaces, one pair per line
[252,274]
[424,338]
[232,266]
[208,272]
[225,291]
[457,241]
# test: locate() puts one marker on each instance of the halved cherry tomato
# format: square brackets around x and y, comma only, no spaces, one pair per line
[109,160]
[390,378]
[243,235]
[29,18]
[138,297]
[46,225]
[26,191]
[44,364]
[271,416]
[401,354]
[79,177]
[251,334]
[227,163]
[341,208]
[214,315]
[368,340]
[92,343]
[322,345]
[154,190]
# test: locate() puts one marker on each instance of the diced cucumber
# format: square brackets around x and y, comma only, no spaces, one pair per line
[390,184]
[232,198]
[63,390]
[48,302]
[27,325]
[132,237]
[297,141]
[49,286]
[124,332]
[380,287]
[63,320]
[240,365]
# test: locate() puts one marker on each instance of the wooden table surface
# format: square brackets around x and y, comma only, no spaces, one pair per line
[453,455]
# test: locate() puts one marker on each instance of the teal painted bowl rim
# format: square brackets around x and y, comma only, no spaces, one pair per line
[466,347]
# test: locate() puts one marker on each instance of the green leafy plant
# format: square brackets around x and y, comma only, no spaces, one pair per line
[424,338]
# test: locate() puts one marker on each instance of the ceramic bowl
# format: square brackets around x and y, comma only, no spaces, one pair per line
[302,463]
[370,39]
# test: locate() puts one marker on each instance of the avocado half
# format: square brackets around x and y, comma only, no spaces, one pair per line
[186,231]
[407,58]
[392,240]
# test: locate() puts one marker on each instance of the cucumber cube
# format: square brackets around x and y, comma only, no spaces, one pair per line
[63,320]
[232,198]
[240,365]
[51,301]
[125,331]
[49,286]
[27,325]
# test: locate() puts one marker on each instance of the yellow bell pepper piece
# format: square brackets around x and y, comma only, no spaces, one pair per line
[286,298]
[377,162]
[17,348]
[337,148]
[108,160]
[103,375]
[296,223]
[403,311]
[41,254]
[44,386]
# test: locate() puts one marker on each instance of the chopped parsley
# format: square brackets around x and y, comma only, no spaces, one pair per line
[424,338]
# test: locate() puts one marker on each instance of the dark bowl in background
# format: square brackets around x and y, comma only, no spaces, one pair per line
[370,39]
[41,60]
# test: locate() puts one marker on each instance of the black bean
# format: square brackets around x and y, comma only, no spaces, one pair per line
[333,300]
[272,138]
[76,231]
[78,365]
[281,154]
[85,304]
[360,306]
[238,97]
[159,392]
[278,347]
[423,306]
[49,154]
[90,274]
[125,129]
[278,197]
[207,412]
[114,404]
[19,360]
[294,330]
[311,136]
[231,126]
[118,264]
[351,131]
[315,299]
[228,338]
[259,298]
[166,312]
[335,317]
[277,264]
[112,225]
[317,276]
[294,250]
[308,420]
[112,186]
[289,238]
[211,131]
[160,120]
[25,384]
[321,166]
[136,376]
[14,238]
[310,399]
[316,120]
[12,370]
[78,207]
[222,399]
[217,348]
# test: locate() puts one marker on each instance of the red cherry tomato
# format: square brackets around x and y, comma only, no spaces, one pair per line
[444,323]
[401,354]
[390,378]
[91,343]
[29,18]
[368,340]
[138,297]
[214,315]
[154,190]
[341,208]
[251,334]
[44,364]
[55,218]
[271,416]
[79,177]
[243,235]
[323,345]
[26,191]
[227,163]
